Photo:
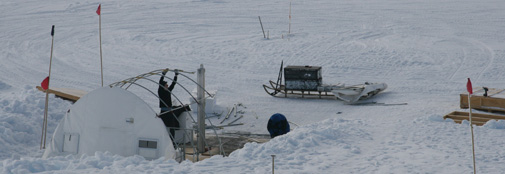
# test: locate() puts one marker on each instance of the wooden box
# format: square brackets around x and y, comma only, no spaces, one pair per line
[494,101]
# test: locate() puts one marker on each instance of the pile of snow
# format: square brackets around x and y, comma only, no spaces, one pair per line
[21,120]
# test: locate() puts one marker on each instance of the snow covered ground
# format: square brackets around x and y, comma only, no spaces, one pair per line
[423,49]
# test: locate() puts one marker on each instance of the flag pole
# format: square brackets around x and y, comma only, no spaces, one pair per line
[44,123]
[471,129]
[289,30]
[100,36]
[470,91]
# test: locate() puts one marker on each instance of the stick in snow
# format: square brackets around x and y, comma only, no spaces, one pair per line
[262,27]
[379,104]
[235,120]
[227,115]
[222,126]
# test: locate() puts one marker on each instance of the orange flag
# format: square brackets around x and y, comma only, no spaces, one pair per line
[98,10]
[45,83]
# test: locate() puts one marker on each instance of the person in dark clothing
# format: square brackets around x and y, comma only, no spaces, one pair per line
[277,125]
[165,94]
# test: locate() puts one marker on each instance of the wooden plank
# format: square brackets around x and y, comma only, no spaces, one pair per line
[212,151]
[65,93]
[492,116]
[193,158]
[459,117]
[477,118]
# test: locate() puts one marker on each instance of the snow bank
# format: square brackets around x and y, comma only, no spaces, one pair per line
[21,121]
[296,152]
[495,124]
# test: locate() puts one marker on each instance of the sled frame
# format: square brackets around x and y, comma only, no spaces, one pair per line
[288,93]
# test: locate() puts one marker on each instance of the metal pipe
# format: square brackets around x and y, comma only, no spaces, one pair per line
[273,166]
[201,109]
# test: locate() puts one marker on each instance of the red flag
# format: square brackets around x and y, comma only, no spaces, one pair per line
[469,86]
[98,10]
[45,83]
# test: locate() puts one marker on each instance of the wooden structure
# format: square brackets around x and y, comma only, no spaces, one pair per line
[477,118]
[231,142]
[65,93]
[492,100]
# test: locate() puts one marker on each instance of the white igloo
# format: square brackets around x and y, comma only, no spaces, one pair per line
[113,120]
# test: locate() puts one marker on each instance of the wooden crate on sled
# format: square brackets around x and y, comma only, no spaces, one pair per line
[493,102]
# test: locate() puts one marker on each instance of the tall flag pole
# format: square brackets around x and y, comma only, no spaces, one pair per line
[45,86]
[289,30]
[100,36]
[470,92]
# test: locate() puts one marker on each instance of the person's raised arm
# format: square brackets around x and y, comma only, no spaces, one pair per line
[171,87]
[162,77]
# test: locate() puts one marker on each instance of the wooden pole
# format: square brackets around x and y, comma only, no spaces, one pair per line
[44,122]
[264,36]
[100,36]
[471,129]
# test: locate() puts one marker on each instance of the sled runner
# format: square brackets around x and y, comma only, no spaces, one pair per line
[279,90]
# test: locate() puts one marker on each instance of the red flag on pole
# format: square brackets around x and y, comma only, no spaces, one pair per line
[98,10]
[45,83]
[469,86]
